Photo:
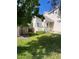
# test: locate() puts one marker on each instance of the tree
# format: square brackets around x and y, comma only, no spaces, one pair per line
[25,10]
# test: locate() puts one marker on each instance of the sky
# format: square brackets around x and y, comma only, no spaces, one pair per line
[44,6]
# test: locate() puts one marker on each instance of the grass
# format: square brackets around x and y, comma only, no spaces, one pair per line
[44,46]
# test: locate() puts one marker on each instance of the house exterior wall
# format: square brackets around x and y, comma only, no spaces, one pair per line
[57,26]
[37,24]
[53,17]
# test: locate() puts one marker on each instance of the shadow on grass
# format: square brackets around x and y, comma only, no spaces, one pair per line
[43,46]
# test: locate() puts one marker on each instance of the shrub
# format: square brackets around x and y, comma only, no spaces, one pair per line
[31,34]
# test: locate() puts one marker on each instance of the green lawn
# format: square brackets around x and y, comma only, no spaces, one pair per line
[44,46]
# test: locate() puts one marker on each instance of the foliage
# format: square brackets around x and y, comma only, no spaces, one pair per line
[45,46]
[31,34]
[26,9]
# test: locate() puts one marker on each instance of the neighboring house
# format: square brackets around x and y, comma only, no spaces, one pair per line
[37,24]
[51,23]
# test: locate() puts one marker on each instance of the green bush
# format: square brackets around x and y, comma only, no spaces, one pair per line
[31,34]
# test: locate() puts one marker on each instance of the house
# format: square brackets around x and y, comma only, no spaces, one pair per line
[37,24]
[51,23]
